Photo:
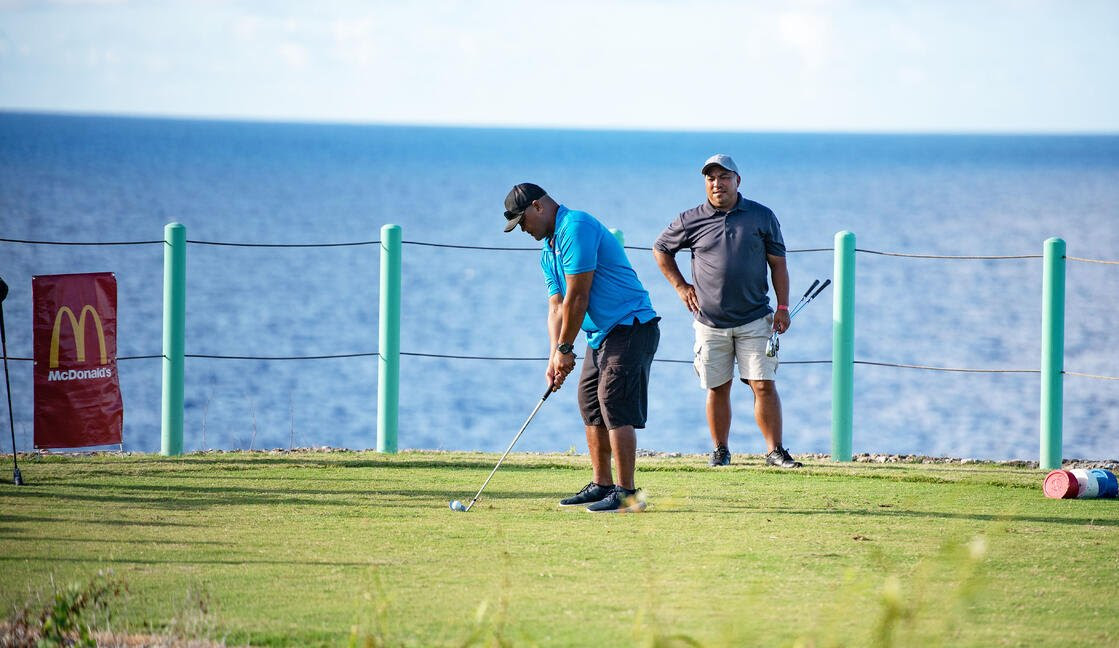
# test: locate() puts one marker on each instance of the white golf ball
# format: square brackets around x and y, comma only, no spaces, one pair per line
[457,506]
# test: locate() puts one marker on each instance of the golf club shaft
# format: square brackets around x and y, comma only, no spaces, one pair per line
[511,444]
[804,297]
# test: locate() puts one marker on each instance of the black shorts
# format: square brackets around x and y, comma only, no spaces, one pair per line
[614,384]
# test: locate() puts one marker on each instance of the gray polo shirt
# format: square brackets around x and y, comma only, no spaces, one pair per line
[729,267]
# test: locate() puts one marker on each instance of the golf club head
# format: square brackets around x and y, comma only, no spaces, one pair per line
[3,289]
[772,345]
[17,478]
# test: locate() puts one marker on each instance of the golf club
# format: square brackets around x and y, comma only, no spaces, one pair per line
[804,297]
[17,478]
[819,290]
[460,508]
[774,343]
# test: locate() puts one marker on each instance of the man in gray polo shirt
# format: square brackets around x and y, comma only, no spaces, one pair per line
[733,241]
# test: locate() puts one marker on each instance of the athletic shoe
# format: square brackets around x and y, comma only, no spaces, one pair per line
[721,457]
[781,458]
[590,494]
[620,500]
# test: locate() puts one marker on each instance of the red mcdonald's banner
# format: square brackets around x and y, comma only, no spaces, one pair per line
[77,392]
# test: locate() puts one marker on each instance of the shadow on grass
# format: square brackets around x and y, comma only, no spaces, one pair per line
[236,461]
[103,541]
[212,496]
[940,515]
[225,465]
[112,522]
[287,562]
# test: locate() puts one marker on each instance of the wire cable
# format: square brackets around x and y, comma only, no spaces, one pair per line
[210,356]
[1087,375]
[949,256]
[140,357]
[283,245]
[1083,260]
[29,242]
[912,366]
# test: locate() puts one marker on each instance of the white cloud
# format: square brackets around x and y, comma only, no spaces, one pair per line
[294,55]
[798,64]
[354,41]
[809,34]
[247,28]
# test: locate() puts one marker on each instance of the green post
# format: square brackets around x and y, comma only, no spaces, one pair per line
[388,347]
[843,347]
[1052,353]
[174,332]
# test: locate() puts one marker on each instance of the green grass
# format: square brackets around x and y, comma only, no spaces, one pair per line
[361,549]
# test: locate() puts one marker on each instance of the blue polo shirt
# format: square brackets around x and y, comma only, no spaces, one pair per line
[582,244]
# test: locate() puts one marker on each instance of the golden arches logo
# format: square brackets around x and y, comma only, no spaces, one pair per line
[77,324]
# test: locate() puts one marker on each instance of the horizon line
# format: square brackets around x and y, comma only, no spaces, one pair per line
[328,121]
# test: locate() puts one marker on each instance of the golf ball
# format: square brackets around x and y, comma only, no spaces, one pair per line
[457,506]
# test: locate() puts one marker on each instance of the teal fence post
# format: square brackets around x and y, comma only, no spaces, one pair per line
[1052,353]
[843,347]
[174,332]
[388,347]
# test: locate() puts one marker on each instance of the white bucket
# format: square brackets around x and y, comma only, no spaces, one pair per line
[1089,485]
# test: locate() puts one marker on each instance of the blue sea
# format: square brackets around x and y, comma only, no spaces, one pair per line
[94,178]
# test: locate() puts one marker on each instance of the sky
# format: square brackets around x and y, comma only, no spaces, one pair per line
[798,65]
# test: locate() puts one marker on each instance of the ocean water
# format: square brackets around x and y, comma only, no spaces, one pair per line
[86,178]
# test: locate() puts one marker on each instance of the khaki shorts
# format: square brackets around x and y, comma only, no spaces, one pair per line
[716,350]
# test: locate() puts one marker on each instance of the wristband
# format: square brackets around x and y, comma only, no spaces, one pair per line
[783,307]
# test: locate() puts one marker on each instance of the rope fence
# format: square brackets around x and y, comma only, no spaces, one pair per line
[284,245]
[949,256]
[30,242]
[1083,260]
[955,369]
[341,244]
[391,241]
[529,249]
[536,249]
[544,358]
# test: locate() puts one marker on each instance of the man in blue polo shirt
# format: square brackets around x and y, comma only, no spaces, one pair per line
[734,242]
[592,286]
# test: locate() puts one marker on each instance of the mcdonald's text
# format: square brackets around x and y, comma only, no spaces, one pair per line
[80,374]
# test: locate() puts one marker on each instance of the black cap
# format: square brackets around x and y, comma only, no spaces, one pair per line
[518,200]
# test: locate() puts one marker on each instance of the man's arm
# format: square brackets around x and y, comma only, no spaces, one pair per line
[671,271]
[555,320]
[779,272]
[571,312]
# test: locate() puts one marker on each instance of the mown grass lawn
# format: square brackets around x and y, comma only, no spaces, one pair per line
[359,548]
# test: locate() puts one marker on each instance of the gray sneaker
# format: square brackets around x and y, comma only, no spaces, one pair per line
[620,500]
[781,458]
[721,457]
[590,494]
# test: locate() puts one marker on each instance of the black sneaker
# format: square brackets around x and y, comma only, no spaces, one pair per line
[721,457]
[781,458]
[591,493]
[620,500]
